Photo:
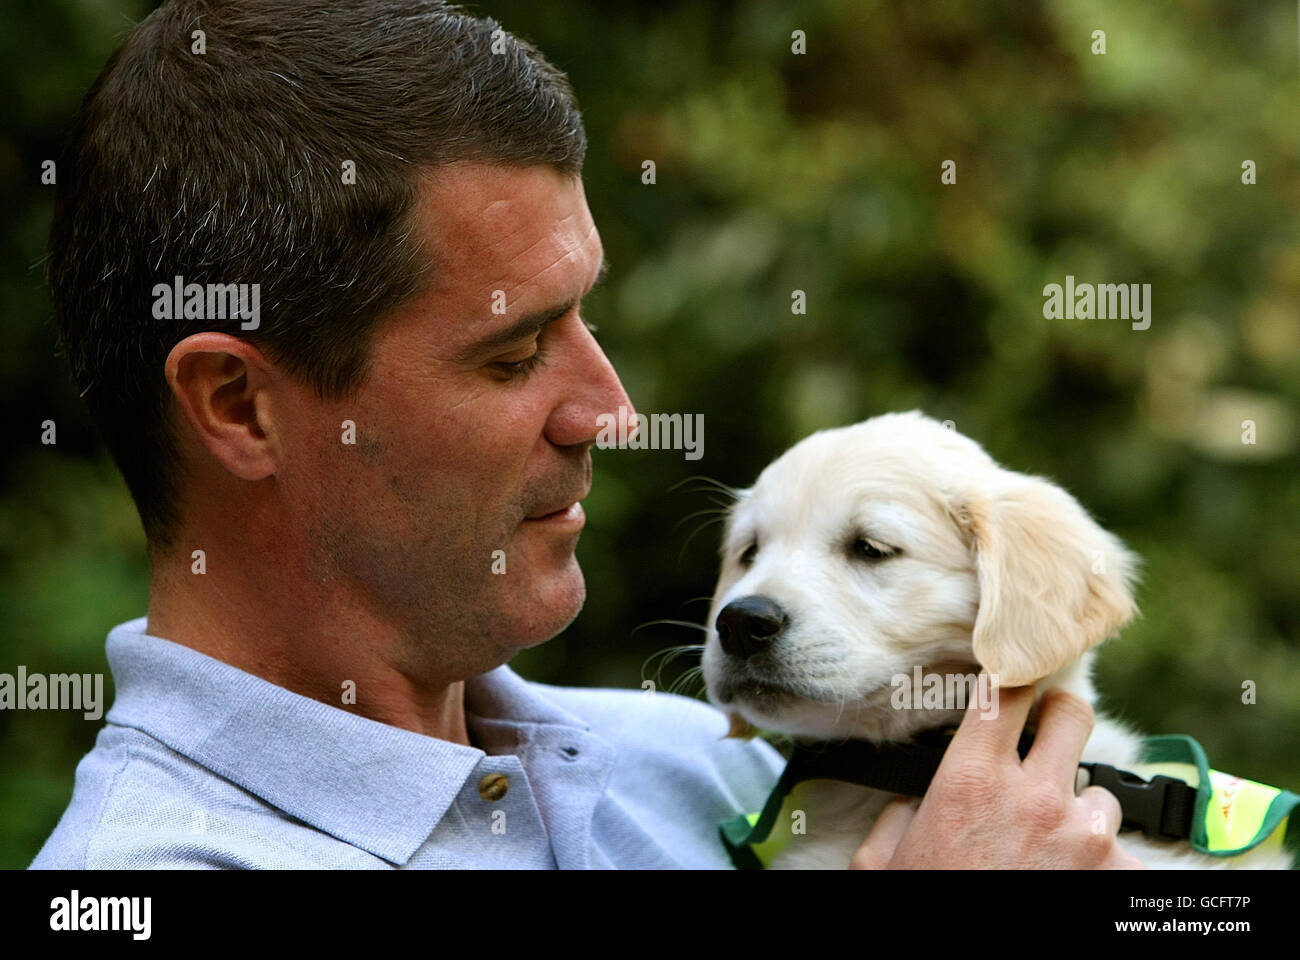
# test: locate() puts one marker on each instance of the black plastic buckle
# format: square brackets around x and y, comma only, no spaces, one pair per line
[1163,806]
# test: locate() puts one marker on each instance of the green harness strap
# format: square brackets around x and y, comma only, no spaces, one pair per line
[1233,814]
[1218,814]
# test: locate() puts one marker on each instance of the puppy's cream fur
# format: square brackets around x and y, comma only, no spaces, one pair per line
[985,569]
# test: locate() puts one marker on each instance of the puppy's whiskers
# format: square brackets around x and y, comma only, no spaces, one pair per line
[718,512]
[669,654]
[679,685]
[674,623]
[709,483]
[718,517]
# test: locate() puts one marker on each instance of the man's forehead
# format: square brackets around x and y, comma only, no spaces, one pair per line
[508,228]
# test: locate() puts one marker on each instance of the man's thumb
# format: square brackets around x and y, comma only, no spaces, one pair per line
[878,849]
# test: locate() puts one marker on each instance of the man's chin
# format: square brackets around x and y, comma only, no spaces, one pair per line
[552,606]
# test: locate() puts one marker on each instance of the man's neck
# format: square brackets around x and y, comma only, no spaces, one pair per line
[321,648]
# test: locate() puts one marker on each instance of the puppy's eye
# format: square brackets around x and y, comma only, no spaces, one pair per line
[864,548]
[750,553]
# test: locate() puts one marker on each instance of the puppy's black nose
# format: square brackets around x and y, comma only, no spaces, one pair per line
[748,625]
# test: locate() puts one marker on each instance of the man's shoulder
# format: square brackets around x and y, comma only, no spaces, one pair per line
[137,805]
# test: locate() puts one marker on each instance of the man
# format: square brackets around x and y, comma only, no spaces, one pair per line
[362,488]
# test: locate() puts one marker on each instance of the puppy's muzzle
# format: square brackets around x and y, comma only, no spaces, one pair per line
[749,625]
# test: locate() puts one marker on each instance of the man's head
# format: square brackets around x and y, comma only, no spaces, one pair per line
[402,181]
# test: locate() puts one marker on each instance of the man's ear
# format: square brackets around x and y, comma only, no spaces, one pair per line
[219,385]
[1052,582]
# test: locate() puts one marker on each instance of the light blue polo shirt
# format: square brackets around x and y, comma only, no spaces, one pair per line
[201,765]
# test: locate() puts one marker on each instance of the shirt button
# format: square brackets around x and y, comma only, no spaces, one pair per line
[493,787]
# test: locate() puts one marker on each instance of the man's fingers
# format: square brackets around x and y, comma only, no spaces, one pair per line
[878,849]
[1065,723]
[1106,816]
[995,736]
[1102,809]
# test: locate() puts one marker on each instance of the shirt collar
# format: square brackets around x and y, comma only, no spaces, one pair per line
[375,786]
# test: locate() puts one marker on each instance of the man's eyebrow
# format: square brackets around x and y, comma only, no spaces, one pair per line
[532,322]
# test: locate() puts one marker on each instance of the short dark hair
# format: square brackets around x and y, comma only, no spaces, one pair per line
[227,166]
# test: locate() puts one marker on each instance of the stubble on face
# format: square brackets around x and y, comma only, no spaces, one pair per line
[447,463]
[406,557]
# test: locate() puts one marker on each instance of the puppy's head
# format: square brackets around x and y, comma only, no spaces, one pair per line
[866,551]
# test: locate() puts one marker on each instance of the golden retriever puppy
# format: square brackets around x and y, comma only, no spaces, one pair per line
[866,552]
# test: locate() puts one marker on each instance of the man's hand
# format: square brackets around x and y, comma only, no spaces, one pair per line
[986,809]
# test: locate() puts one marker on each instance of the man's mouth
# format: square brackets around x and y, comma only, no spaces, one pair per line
[569,513]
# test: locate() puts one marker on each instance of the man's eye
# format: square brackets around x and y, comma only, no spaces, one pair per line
[520,368]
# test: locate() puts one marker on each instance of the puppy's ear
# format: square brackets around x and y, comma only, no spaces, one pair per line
[1052,582]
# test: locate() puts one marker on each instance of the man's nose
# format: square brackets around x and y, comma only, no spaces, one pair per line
[596,393]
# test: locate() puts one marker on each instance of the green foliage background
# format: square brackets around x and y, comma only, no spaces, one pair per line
[820,172]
